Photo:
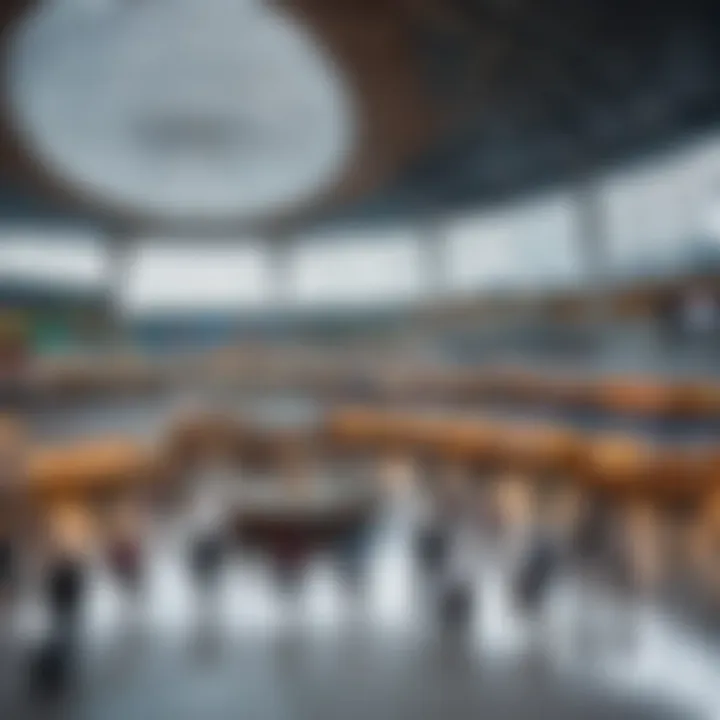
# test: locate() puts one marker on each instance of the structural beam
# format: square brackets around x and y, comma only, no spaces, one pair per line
[433,259]
[278,250]
[593,251]
[120,251]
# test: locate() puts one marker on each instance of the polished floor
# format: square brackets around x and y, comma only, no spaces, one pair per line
[330,650]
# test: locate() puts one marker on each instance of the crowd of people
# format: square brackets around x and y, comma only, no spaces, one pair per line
[539,533]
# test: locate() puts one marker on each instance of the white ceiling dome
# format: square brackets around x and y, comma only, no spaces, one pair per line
[181,108]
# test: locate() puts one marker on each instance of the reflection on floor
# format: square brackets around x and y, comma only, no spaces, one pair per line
[337,651]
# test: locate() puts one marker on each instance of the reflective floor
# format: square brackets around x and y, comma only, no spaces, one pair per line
[369,649]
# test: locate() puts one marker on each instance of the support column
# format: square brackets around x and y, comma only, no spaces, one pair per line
[593,254]
[278,251]
[120,251]
[433,259]
[433,264]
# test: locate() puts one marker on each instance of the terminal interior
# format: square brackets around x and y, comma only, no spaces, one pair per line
[360,359]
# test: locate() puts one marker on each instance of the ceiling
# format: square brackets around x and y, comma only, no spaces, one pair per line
[462,103]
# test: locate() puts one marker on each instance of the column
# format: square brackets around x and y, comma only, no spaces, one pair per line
[278,253]
[593,253]
[120,256]
[433,258]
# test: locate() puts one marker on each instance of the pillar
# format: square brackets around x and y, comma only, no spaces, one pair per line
[593,254]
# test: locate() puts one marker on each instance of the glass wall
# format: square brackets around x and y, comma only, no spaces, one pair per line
[656,215]
[531,245]
[660,212]
[355,270]
[71,258]
[196,277]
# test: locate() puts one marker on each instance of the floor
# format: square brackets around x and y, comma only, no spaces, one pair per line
[331,650]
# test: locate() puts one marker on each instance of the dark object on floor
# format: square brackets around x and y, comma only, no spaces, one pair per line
[289,573]
[539,569]
[352,553]
[50,669]
[7,564]
[290,551]
[65,590]
[456,604]
[125,559]
[620,571]
[591,536]
[206,558]
[432,546]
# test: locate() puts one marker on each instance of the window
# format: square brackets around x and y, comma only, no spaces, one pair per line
[196,278]
[657,211]
[356,270]
[527,245]
[68,258]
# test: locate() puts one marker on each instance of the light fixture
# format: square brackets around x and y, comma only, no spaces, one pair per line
[181,108]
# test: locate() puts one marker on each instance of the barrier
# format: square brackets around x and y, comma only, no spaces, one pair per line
[89,469]
[640,396]
[617,464]
[629,470]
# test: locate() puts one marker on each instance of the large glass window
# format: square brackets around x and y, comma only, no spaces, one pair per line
[196,277]
[68,258]
[527,245]
[355,270]
[657,212]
